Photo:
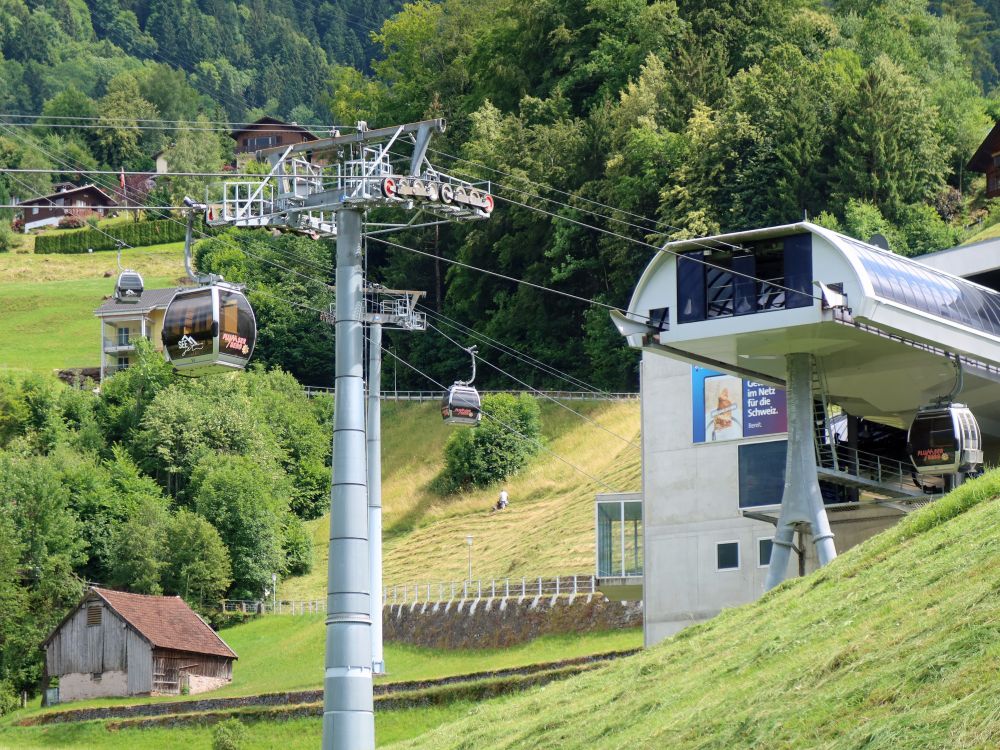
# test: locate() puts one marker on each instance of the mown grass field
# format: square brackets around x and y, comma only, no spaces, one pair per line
[894,646]
[286,653]
[548,528]
[48,302]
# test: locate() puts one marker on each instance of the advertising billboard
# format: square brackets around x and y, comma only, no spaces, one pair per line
[728,408]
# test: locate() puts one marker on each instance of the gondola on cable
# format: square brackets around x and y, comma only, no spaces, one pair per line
[210,328]
[129,286]
[944,437]
[461,403]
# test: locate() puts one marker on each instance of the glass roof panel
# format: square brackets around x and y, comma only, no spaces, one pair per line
[908,283]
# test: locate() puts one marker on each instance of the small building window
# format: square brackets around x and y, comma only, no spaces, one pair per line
[727,556]
[123,334]
[764,547]
[122,363]
[34,210]
[93,616]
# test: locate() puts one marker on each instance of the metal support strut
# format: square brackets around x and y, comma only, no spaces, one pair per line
[801,502]
[348,706]
[375,489]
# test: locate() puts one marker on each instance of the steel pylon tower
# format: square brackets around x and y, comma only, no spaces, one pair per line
[323,188]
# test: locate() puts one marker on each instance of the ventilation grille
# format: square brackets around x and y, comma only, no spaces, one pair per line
[94,615]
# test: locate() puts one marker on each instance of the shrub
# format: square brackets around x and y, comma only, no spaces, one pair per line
[8,698]
[507,438]
[230,735]
[71,222]
[9,240]
[298,547]
[133,234]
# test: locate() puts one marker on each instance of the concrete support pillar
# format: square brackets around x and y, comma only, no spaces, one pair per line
[801,502]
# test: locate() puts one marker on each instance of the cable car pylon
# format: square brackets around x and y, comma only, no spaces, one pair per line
[323,188]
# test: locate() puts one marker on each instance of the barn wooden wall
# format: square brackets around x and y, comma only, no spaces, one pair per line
[78,648]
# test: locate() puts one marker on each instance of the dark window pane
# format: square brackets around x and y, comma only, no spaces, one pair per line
[187,325]
[727,555]
[798,270]
[690,289]
[745,285]
[236,325]
[762,473]
[764,551]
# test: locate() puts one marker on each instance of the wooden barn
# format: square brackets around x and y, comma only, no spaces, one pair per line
[114,644]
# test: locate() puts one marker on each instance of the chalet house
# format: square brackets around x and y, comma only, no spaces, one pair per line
[267,132]
[47,210]
[119,644]
[123,321]
[987,161]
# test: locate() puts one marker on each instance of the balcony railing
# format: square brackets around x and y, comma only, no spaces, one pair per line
[121,343]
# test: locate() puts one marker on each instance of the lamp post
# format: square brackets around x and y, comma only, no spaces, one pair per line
[468,541]
[274,593]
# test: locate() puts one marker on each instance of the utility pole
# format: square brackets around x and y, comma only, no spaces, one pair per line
[393,309]
[323,188]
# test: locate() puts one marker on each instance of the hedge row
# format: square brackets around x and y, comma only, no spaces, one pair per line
[136,234]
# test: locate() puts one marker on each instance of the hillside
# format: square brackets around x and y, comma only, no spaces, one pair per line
[48,302]
[894,645]
[548,528]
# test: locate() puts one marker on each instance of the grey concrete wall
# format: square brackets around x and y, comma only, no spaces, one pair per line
[498,623]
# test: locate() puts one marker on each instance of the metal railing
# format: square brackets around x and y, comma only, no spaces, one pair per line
[492,588]
[114,342]
[887,472]
[436,395]
[432,593]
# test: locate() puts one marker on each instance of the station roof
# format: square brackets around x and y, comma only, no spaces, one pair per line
[891,346]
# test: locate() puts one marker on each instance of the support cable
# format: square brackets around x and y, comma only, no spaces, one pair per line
[538,392]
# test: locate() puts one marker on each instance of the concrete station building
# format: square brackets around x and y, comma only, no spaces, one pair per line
[716,319]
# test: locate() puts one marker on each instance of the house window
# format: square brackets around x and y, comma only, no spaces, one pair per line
[123,334]
[93,616]
[727,556]
[34,210]
[122,363]
[764,547]
[264,141]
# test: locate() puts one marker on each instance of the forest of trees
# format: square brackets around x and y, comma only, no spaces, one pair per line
[647,119]
[157,485]
[650,120]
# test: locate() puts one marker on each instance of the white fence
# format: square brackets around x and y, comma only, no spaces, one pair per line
[430,593]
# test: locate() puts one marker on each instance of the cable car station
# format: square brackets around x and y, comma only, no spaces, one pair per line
[801,390]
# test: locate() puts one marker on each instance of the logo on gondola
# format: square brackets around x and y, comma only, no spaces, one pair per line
[236,342]
[188,345]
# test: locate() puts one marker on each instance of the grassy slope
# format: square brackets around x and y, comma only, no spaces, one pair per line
[286,653]
[548,528]
[894,645]
[48,302]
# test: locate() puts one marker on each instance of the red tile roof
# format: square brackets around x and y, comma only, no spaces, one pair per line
[166,622]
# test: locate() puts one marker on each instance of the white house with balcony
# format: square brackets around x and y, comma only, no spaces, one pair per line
[124,321]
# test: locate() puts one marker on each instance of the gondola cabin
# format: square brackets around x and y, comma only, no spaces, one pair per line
[208,330]
[945,440]
[461,405]
[129,287]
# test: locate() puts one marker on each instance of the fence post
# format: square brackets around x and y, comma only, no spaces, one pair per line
[493,588]
[506,588]
[465,589]
[593,585]
[479,588]
[574,584]
[524,583]
[539,585]
[452,589]
[557,585]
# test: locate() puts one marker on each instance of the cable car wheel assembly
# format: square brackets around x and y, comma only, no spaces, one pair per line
[210,328]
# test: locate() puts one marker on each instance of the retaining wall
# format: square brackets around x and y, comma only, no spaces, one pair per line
[497,623]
